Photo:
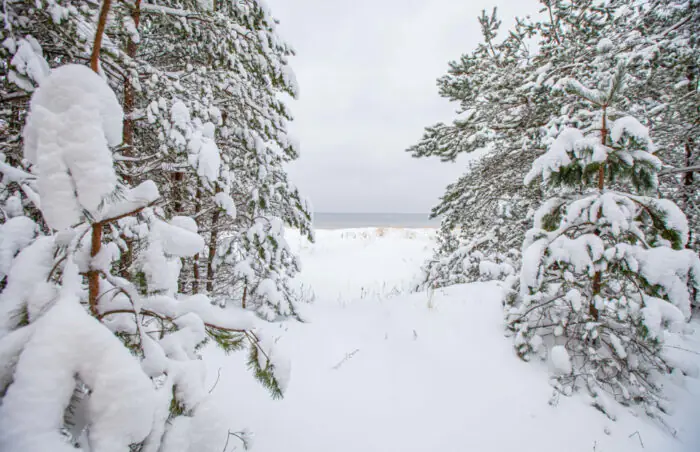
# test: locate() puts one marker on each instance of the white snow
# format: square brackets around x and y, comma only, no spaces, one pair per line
[74,118]
[556,156]
[178,237]
[134,198]
[15,234]
[604,45]
[28,63]
[205,156]
[29,271]
[67,343]
[631,126]
[225,201]
[665,267]
[560,359]
[380,369]
[394,253]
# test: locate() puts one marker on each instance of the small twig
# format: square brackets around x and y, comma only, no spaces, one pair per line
[681,348]
[228,436]
[347,357]
[55,267]
[218,375]
[688,169]
[237,435]
[638,436]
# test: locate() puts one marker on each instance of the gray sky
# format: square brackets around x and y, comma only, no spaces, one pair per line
[367,71]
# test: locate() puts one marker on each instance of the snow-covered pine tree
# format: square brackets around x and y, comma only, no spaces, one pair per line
[496,117]
[35,36]
[91,359]
[658,43]
[208,80]
[476,240]
[200,84]
[662,41]
[604,272]
[505,92]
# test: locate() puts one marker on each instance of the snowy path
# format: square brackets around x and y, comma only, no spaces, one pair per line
[400,375]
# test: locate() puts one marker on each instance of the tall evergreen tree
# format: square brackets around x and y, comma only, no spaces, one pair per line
[496,117]
[110,201]
[662,43]
[604,271]
[511,113]
[212,75]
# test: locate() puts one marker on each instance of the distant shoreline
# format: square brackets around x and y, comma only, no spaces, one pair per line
[345,220]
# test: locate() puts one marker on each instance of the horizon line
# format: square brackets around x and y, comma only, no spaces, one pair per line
[393,213]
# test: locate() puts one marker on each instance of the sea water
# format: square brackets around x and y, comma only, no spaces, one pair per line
[333,220]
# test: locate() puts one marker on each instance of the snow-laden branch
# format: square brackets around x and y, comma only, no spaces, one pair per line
[159,9]
[687,169]
[15,174]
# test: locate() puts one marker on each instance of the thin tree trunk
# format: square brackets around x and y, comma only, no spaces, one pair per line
[129,92]
[689,176]
[176,196]
[213,237]
[195,261]
[93,275]
[96,236]
[592,309]
[688,179]
[126,258]
[97,45]
[195,274]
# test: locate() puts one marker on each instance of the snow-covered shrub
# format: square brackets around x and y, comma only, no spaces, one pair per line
[88,359]
[460,259]
[605,273]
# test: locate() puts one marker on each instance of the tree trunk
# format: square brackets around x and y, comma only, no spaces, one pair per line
[96,236]
[176,196]
[195,274]
[195,261]
[97,45]
[213,237]
[126,258]
[592,309]
[129,92]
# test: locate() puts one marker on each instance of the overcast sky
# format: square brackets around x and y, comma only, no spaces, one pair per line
[366,71]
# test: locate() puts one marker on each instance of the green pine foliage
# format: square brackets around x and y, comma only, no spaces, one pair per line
[604,271]
[514,99]
[264,371]
[205,136]
[577,109]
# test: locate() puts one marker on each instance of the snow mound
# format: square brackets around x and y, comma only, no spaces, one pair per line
[74,118]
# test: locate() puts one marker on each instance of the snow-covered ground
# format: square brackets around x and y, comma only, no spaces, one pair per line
[345,264]
[376,368]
